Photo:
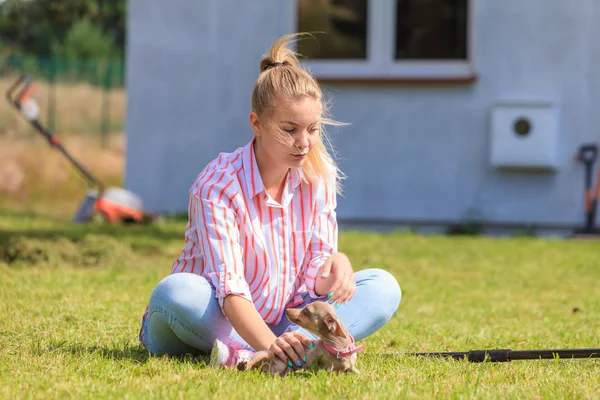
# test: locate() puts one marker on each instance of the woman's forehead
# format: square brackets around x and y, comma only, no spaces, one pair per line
[297,111]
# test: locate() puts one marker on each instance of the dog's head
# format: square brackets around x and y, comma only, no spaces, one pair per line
[318,318]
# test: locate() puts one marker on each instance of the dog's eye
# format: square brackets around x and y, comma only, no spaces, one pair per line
[305,311]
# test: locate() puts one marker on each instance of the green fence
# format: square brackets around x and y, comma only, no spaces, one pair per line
[75,97]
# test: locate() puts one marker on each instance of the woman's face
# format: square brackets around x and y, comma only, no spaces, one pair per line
[290,131]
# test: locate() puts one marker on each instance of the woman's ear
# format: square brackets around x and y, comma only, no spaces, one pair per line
[255,123]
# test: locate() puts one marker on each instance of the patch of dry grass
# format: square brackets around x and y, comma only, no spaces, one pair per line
[77,109]
[37,178]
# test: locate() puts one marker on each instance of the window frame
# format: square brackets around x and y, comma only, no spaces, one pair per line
[380,64]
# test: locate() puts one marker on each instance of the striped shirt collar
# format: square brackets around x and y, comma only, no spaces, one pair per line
[253,180]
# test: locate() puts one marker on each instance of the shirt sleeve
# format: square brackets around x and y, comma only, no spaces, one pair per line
[219,238]
[324,240]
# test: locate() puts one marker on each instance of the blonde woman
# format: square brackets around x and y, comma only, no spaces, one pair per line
[262,237]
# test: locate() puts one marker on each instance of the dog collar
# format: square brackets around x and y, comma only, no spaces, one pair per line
[341,353]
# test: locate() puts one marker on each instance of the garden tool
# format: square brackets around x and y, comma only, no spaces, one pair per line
[113,204]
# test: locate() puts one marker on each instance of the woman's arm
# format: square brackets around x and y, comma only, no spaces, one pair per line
[336,276]
[325,280]
[218,234]
[328,272]
[322,253]
[248,323]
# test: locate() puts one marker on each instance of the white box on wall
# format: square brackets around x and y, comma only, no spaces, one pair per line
[524,135]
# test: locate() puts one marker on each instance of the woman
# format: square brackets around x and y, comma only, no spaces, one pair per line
[262,237]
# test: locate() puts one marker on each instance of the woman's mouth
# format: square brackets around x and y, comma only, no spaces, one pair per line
[300,156]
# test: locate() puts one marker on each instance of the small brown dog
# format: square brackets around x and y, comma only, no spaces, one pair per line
[335,351]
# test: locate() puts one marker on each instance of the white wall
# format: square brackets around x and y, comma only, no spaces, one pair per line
[412,153]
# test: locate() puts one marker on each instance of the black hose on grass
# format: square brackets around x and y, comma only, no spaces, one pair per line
[504,355]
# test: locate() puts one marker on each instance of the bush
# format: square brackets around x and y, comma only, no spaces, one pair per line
[84,41]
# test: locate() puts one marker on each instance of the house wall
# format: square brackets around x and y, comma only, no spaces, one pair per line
[416,153]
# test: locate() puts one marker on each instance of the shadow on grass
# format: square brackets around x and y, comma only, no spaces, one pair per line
[137,354]
[133,353]
[28,224]
[20,234]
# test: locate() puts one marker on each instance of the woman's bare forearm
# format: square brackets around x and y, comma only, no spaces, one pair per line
[247,322]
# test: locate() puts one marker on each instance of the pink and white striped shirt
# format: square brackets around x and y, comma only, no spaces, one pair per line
[247,244]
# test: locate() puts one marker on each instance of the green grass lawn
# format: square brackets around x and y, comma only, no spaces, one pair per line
[72,298]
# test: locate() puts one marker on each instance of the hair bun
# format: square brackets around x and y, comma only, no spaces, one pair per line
[268,63]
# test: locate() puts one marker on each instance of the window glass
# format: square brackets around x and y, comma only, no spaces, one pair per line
[431,29]
[339,28]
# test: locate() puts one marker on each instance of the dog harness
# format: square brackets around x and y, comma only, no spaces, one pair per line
[341,353]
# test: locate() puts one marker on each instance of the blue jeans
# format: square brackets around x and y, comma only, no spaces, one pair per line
[184,315]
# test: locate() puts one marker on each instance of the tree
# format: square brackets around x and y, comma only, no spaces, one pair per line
[34,26]
[84,42]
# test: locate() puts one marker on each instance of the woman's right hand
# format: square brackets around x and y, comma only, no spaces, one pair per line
[291,347]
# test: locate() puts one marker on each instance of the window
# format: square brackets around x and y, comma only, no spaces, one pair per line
[386,39]
[431,29]
[345,25]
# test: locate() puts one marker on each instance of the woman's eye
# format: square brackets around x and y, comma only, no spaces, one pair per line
[289,130]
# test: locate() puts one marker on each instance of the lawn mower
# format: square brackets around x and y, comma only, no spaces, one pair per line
[111,205]
[588,154]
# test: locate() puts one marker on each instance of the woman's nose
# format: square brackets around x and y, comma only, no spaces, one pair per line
[302,141]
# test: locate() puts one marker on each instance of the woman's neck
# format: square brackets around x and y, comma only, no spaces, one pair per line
[273,177]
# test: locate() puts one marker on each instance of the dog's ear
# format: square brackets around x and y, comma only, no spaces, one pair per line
[333,326]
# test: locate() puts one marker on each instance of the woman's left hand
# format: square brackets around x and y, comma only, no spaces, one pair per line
[336,279]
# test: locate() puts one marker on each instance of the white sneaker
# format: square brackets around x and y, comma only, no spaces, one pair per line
[227,356]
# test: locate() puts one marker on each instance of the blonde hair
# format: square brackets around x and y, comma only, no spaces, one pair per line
[282,78]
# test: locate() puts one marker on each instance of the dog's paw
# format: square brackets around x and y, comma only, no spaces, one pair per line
[260,360]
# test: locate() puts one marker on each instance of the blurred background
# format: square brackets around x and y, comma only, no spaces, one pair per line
[464,115]
[74,50]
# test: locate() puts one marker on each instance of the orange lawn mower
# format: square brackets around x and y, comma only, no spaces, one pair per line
[112,205]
